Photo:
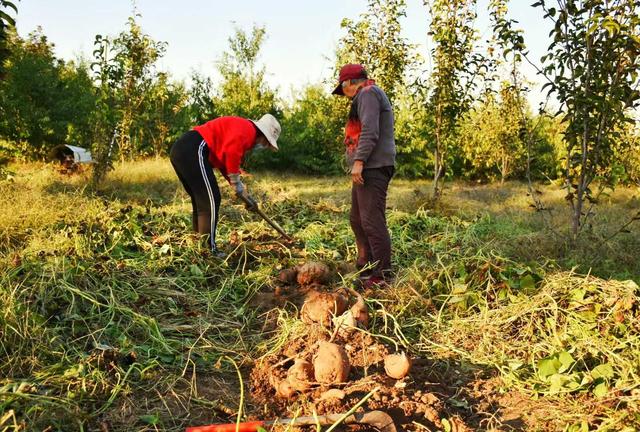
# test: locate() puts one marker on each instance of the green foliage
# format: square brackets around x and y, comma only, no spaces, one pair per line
[490,137]
[7,22]
[165,116]
[592,67]
[626,163]
[414,132]
[202,104]
[243,91]
[44,101]
[375,41]
[137,54]
[139,112]
[547,145]
[311,140]
[454,74]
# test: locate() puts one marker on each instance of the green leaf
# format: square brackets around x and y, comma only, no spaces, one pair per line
[195,270]
[548,366]
[556,382]
[604,371]
[150,419]
[515,364]
[601,389]
[578,294]
[446,426]
[527,282]
[566,361]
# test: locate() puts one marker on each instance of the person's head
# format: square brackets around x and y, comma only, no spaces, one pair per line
[351,78]
[268,132]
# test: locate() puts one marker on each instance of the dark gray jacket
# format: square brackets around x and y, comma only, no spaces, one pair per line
[376,145]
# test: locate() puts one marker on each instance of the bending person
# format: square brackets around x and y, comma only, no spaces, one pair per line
[219,143]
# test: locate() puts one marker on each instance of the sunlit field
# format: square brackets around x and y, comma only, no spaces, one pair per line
[114,318]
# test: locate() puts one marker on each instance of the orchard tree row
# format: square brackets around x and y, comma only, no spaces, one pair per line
[467,116]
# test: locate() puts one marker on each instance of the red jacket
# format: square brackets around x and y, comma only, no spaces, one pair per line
[228,139]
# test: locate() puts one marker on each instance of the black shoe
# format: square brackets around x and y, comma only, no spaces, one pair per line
[363,273]
[217,253]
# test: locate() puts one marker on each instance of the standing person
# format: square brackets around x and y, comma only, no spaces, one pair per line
[370,152]
[219,143]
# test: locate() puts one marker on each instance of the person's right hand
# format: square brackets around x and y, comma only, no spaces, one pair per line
[237,184]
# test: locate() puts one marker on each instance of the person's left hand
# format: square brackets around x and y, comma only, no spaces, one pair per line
[356,172]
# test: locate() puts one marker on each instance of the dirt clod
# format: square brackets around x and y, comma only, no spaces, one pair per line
[331,364]
[320,307]
[397,366]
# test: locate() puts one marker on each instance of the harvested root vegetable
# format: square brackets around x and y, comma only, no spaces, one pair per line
[331,364]
[333,394]
[289,275]
[312,272]
[360,312]
[397,366]
[300,375]
[320,307]
[285,390]
[344,323]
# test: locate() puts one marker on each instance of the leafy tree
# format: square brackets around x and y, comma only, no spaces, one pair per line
[165,116]
[43,100]
[490,136]
[125,74]
[108,73]
[414,130]
[375,41]
[311,140]
[545,146]
[455,70]
[627,155]
[7,22]
[592,68]
[202,103]
[243,91]
[138,54]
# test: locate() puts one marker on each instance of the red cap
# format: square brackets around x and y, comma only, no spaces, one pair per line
[347,72]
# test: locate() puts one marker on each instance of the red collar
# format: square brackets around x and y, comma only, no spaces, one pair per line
[367,83]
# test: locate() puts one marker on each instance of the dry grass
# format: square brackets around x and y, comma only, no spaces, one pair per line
[110,313]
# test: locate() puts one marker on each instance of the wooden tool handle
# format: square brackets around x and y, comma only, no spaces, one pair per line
[228,427]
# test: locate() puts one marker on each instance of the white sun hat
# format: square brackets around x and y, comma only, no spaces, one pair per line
[270,128]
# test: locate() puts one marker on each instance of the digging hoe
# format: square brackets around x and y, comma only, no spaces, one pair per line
[256,209]
[377,419]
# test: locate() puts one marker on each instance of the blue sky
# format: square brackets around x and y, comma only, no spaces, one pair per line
[302,35]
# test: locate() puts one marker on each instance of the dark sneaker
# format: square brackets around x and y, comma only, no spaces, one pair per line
[217,253]
[374,282]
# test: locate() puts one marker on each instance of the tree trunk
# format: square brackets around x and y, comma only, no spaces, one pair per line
[437,170]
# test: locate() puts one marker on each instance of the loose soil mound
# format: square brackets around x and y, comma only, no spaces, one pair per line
[409,400]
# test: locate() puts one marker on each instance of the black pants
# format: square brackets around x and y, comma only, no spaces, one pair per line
[368,221]
[190,159]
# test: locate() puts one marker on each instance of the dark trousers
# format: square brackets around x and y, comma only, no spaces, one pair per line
[368,221]
[190,159]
